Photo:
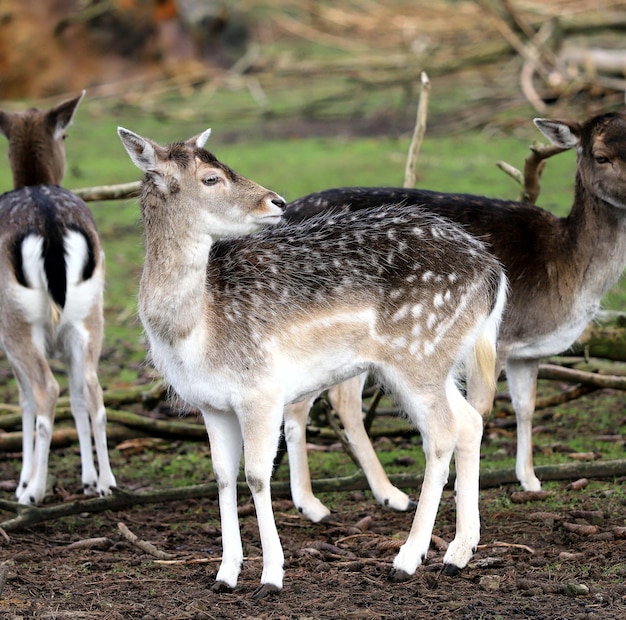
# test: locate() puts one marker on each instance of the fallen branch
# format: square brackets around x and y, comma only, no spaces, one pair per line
[27,516]
[109,192]
[560,373]
[553,400]
[148,396]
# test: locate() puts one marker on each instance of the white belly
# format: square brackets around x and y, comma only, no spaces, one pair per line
[557,341]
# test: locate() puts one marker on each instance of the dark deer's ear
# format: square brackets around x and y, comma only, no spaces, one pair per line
[561,133]
[60,117]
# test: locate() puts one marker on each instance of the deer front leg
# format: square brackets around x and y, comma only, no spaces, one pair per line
[226,443]
[305,502]
[261,434]
[346,400]
[522,379]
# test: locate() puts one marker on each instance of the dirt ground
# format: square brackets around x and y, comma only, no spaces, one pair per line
[529,564]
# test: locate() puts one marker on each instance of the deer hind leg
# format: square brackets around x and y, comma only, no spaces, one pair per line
[38,396]
[522,379]
[261,434]
[438,424]
[467,460]
[346,400]
[479,394]
[225,440]
[305,502]
[88,410]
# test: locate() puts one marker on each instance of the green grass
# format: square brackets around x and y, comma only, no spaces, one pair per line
[291,166]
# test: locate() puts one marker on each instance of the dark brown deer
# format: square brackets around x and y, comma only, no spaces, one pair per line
[558,270]
[52,281]
[242,326]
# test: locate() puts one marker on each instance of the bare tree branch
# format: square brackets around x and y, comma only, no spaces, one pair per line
[418,132]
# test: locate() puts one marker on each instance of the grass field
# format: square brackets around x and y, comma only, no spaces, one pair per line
[292,166]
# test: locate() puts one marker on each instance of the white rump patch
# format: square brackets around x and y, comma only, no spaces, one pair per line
[32,262]
[75,256]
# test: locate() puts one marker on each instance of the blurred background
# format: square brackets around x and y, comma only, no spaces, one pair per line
[309,66]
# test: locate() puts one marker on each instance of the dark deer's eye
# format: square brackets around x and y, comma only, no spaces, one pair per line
[211,180]
[602,160]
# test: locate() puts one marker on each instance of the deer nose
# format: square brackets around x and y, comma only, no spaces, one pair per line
[279,201]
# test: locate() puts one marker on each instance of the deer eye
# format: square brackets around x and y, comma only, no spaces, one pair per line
[602,160]
[212,179]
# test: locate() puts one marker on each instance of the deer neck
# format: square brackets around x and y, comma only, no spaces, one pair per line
[597,231]
[172,291]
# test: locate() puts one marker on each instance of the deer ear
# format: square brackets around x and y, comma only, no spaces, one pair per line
[200,140]
[141,151]
[561,133]
[60,117]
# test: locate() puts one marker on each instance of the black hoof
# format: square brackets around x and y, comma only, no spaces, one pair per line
[412,506]
[451,570]
[219,587]
[266,589]
[399,576]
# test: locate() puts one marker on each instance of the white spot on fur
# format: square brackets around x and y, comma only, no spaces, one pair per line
[399,343]
[431,320]
[416,310]
[401,313]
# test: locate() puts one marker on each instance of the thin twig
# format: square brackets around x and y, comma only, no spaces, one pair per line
[144,545]
[511,545]
[91,543]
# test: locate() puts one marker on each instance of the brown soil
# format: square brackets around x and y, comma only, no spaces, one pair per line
[529,564]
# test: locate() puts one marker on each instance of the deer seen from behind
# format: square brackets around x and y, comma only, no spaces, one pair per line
[558,271]
[52,281]
[240,326]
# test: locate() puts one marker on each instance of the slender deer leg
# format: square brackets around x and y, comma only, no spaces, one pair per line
[97,412]
[39,392]
[437,424]
[226,445]
[467,460]
[78,402]
[346,400]
[260,441]
[29,412]
[522,379]
[299,474]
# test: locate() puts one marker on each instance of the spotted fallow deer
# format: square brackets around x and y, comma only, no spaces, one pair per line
[52,281]
[239,326]
[558,270]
